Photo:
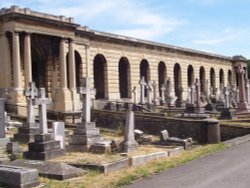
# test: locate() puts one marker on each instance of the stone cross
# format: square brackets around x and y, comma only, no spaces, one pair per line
[42,102]
[87,92]
[142,87]
[135,92]
[163,94]
[31,94]
[154,85]
[226,93]
[149,92]
[2,121]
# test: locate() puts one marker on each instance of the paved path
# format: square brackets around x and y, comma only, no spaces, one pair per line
[226,169]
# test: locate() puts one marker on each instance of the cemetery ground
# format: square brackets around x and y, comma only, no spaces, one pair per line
[95,178]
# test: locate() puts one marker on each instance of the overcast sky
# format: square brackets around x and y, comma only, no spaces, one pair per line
[218,26]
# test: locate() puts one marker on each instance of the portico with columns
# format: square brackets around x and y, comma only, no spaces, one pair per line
[57,54]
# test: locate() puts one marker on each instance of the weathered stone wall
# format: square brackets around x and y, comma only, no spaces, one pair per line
[197,129]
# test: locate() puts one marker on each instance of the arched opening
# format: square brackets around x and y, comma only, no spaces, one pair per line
[144,70]
[38,67]
[78,68]
[161,75]
[124,78]
[229,77]
[221,78]
[177,81]
[212,80]
[190,75]
[100,68]
[202,79]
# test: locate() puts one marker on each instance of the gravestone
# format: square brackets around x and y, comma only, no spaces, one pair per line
[166,140]
[129,144]
[30,127]
[164,135]
[59,133]
[13,176]
[86,136]
[170,97]
[227,112]
[44,146]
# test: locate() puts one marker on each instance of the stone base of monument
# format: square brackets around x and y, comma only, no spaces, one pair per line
[44,148]
[87,136]
[13,176]
[4,142]
[228,113]
[51,169]
[127,147]
[26,133]
[100,147]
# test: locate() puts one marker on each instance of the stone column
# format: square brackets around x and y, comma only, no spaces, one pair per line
[27,60]
[63,67]
[72,77]
[72,71]
[62,99]
[16,61]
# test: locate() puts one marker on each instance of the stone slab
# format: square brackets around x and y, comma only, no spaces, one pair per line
[142,159]
[237,141]
[14,176]
[175,151]
[53,170]
[106,167]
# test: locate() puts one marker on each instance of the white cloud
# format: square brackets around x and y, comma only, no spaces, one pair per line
[131,17]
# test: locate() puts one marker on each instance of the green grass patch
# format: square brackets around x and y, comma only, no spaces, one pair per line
[95,179]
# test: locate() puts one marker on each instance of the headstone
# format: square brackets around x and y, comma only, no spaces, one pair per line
[44,146]
[193,94]
[129,144]
[164,135]
[226,93]
[142,90]
[30,127]
[86,135]
[13,176]
[13,147]
[59,133]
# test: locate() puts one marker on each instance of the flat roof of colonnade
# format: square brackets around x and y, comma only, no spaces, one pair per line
[69,21]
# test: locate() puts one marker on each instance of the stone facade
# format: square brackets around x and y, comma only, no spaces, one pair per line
[56,53]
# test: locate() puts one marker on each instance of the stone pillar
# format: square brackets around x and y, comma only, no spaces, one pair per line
[213,131]
[72,77]
[16,61]
[63,67]
[27,60]
[62,99]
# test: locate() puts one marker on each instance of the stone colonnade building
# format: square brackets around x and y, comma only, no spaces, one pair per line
[57,54]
